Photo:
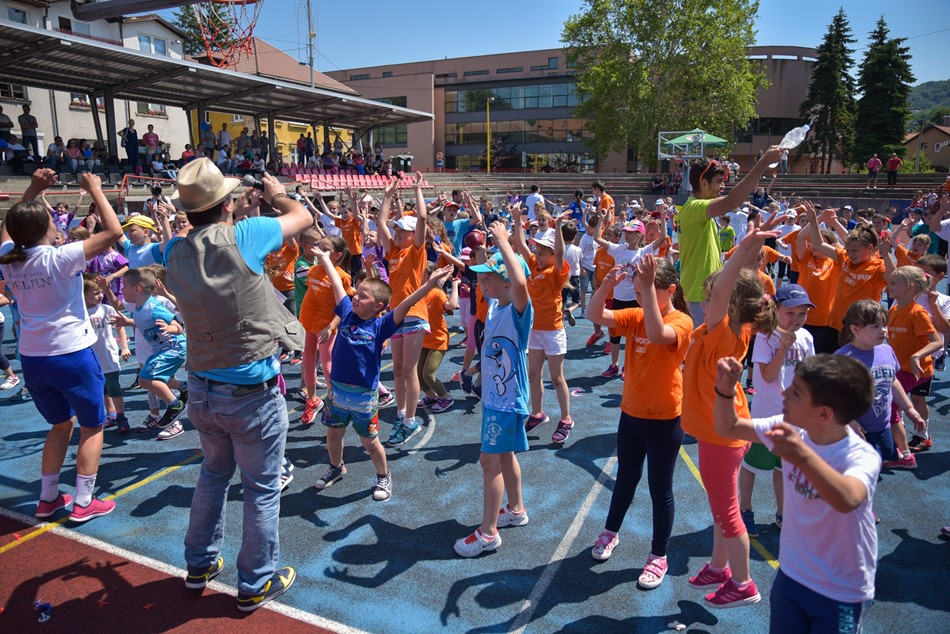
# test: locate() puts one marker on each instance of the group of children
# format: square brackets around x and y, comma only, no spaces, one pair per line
[365,278]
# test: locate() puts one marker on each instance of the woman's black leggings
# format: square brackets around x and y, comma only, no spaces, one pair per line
[658,442]
[4,362]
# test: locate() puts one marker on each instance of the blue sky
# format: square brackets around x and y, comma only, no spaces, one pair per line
[388,32]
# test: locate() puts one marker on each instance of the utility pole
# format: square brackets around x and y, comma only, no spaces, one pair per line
[310,35]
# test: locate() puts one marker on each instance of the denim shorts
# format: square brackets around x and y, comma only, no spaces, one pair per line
[162,366]
[352,404]
[503,432]
[67,385]
[411,325]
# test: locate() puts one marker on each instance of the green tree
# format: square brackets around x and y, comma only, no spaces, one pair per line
[884,80]
[830,102]
[186,19]
[643,66]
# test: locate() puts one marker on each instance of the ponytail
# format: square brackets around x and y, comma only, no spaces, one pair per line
[749,305]
[17,254]
[27,223]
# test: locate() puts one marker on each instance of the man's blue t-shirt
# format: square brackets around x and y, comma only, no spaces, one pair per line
[456,231]
[358,350]
[256,237]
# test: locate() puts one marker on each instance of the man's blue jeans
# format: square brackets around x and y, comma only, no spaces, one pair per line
[249,432]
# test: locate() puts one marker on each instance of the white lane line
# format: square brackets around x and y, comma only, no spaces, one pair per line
[547,576]
[172,571]
[430,431]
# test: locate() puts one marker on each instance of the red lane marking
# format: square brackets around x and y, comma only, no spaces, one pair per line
[103,604]
[17,536]
[149,606]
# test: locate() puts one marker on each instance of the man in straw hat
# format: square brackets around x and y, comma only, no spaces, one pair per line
[235,328]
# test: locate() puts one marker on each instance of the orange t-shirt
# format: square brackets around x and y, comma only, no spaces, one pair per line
[406,269]
[905,257]
[699,380]
[907,330]
[819,278]
[352,234]
[768,286]
[771,255]
[603,262]
[481,306]
[606,202]
[654,385]
[856,281]
[438,336]
[280,266]
[791,239]
[544,287]
[318,305]
[665,247]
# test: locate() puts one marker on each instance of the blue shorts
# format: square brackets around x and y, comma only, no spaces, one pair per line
[411,325]
[503,432]
[67,385]
[162,366]
[797,608]
[352,404]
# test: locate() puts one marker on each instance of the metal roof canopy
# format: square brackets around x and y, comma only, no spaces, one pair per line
[48,59]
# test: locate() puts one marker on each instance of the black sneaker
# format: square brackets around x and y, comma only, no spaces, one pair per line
[183,393]
[277,585]
[331,476]
[135,384]
[198,578]
[172,413]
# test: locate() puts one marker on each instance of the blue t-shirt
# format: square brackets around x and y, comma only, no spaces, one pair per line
[456,231]
[883,364]
[256,237]
[504,364]
[143,255]
[145,316]
[358,350]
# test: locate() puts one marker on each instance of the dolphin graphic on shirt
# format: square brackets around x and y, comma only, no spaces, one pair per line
[502,350]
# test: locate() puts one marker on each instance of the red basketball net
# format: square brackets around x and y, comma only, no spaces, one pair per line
[227,27]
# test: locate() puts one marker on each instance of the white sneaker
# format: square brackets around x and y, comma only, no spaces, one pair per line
[175,429]
[604,546]
[476,543]
[383,489]
[10,382]
[507,518]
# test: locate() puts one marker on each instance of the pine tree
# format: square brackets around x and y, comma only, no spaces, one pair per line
[830,102]
[884,108]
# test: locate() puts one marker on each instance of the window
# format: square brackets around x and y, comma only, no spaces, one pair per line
[12,91]
[78,99]
[393,101]
[392,135]
[153,46]
[17,15]
[387,74]
[447,76]
[238,118]
[472,73]
[515,69]
[65,24]
[552,62]
[539,68]
[359,77]
[142,107]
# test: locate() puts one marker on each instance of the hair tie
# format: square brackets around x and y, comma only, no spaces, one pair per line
[765,299]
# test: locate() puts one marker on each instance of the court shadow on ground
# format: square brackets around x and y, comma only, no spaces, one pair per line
[104,600]
[397,548]
[579,579]
[915,573]
[930,464]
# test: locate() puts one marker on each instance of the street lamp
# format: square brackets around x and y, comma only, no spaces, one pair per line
[488,102]
[920,138]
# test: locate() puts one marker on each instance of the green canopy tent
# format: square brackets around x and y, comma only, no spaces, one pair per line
[698,136]
[689,144]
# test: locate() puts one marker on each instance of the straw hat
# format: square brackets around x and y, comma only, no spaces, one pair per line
[201,186]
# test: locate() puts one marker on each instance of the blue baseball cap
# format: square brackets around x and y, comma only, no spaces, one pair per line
[496,264]
[792,295]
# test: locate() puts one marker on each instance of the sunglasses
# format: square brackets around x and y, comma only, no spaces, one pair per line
[712,163]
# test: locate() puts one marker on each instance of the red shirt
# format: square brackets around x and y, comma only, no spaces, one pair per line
[893,164]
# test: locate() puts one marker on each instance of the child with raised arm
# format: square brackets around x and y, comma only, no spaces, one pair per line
[107,346]
[357,356]
[734,306]
[548,340]
[504,280]
[649,430]
[56,338]
[828,550]
[405,248]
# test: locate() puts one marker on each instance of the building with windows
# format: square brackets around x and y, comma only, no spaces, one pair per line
[70,115]
[526,101]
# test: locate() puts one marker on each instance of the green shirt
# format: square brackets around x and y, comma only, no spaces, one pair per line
[699,248]
[301,268]
[727,236]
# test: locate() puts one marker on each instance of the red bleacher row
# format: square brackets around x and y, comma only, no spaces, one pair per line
[325,181]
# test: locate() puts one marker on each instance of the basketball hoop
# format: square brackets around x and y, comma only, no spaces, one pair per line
[227,27]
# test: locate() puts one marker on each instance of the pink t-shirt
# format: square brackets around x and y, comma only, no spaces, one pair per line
[150,139]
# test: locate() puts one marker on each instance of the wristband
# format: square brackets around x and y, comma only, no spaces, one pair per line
[728,396]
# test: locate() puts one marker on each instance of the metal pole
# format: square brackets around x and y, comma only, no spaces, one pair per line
[310,35]
[488,133]
[95,117]
[920,138]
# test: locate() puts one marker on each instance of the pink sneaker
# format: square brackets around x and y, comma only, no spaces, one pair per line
[706,578]
[96,508]
[604,546]
[45,509]
[908,462]
[653,573]
[612,370]
[730,595]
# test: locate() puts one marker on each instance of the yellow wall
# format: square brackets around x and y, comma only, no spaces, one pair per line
[286,133]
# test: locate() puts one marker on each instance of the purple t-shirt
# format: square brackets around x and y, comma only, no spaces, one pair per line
[883,364]
[109,263]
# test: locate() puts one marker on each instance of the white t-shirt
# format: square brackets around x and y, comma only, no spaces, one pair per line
[572,255]
[329,226]
[944,229]
[768,396]
[628,259]
[224,138]
[832,553]
[143,347]
[48,290]
[530,201]
[106,347]
[943,304]
[588,248]
[739,221]
[781,247]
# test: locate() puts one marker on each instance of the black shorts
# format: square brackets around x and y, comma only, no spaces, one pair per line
[923,389]
[479,334]
[792,276]
[620,304]
[573,291]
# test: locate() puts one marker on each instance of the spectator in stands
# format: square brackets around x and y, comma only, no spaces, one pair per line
[13,153]
[223,160]
[874,166]
[130,140]
[265,146]
[207,137]
[338,147]
[358,163]
[163,169]
[302,150]
[88,158]
[150,139]
[55,152]
[657,185]
[224,138]
[188,155]
[258,165]
[309,148]
[243,142]
[72,156]
[893,164]
[6,124]
[28,127]
[677,183]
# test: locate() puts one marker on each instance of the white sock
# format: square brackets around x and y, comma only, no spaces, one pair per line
[50,490]
[84,488]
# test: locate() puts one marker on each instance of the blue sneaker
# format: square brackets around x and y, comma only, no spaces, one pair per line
[402,433]
[748,518]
